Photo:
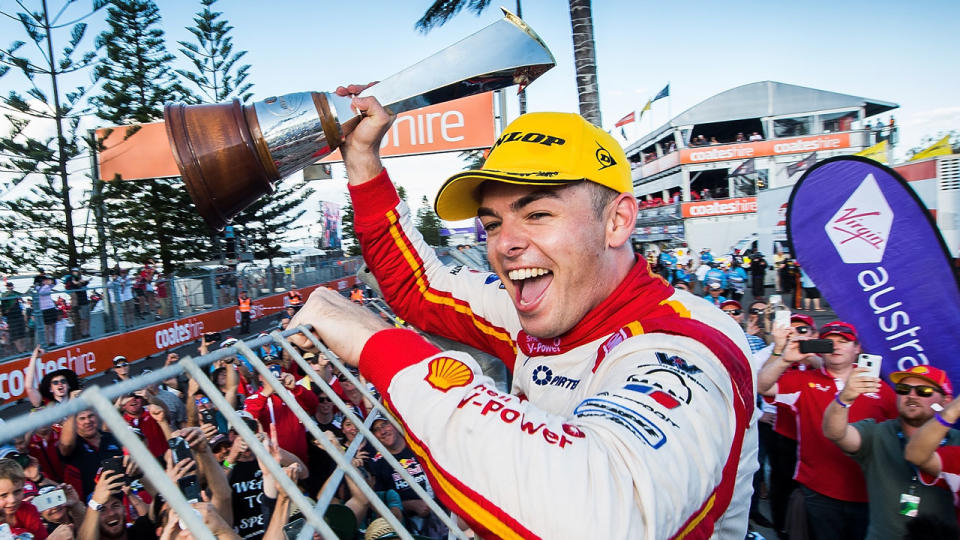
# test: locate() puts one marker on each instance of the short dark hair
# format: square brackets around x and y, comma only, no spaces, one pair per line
[600,196]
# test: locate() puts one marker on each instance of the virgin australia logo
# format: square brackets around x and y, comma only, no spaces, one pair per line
[861,227]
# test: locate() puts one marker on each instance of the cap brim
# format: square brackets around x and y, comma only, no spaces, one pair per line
[457,198]
[898,376]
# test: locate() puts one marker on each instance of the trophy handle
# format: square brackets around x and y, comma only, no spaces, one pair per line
[230,154]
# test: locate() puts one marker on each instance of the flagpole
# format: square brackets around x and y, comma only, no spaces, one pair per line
[669,103]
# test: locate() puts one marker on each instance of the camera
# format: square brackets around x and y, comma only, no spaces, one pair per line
[212,337]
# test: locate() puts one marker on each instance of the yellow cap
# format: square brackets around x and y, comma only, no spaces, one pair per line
[540,149]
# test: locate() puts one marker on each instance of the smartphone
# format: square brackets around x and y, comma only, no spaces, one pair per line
[871,361]
[781,317]
[207,417]
[113,464]
[817,346]
[180,449]
[49,500]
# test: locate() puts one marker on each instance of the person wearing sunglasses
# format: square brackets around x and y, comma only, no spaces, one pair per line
[735,310]
[832,484]
[54,387]
[897,492]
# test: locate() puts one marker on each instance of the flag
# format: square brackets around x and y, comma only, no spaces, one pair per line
[853,225]
[646,107]
[747,167]
[939,148]
[663,93]
[801,165]
[877,152]
[632,117]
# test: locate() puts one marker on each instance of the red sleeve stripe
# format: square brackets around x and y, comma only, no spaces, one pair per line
[441,297]
[486,519]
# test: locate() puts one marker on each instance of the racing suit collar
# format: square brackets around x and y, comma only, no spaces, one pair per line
[637,297]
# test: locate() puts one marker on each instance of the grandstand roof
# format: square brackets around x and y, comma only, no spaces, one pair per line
[763,99]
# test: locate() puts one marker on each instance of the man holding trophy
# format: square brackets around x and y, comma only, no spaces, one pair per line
[631,401]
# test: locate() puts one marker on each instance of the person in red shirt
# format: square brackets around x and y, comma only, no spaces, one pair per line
[137,416]
[833,486]
[43,446]
[20,516]
[267,408]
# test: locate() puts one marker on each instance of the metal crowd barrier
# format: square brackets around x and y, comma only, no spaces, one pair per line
[101,401]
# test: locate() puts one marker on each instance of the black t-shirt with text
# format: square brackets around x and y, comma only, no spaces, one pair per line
[249,517]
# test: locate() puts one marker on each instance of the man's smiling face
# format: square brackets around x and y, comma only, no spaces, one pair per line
[549,249]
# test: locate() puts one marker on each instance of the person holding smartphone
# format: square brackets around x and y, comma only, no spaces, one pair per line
[897,493]
[833,485]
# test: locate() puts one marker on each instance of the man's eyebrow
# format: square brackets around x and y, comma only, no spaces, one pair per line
[518,204]
[483,211]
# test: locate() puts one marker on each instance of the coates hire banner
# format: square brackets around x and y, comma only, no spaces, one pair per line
[88,359]
[775,147]
[722,207]
[866,240]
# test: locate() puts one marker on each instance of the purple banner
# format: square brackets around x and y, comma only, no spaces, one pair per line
[874,251]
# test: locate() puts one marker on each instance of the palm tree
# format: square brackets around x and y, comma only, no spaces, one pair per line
[584,55]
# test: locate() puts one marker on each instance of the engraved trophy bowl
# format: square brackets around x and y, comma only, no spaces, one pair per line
[230,154]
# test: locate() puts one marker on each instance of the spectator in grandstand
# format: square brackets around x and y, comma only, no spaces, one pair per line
[735,310]
[415,510]
[19,515]
[756,136]
[552,298]
[83,446]
[43,447]
[120,369]
[147,275]
[714,141]
[879,446]
[55,385]
[755,318]
[48,310]
[758,272]
[810,292]
[740,137]
[833,486]
[267,408]
[162,285]
[105,514]
[79,303]
[126,298]
[12,311]
[136,415]
[69,513]
[736,278]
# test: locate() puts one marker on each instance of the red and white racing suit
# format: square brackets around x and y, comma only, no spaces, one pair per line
[635,424]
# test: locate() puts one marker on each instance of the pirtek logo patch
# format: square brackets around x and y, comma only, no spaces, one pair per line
[531,137]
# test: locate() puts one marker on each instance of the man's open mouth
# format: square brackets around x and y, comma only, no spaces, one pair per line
[530,283]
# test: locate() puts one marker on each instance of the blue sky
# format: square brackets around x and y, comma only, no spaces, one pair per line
[887,50]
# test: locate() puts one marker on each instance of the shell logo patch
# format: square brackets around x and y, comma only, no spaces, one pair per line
[445,373]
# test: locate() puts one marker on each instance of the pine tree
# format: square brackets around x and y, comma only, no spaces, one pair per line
[346,218]
[265,222]
[153,218]
[429,224]
[40,226]
[216,73]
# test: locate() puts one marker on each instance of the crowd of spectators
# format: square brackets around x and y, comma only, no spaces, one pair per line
[73,479]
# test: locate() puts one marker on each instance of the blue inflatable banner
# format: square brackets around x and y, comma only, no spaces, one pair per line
[873,250]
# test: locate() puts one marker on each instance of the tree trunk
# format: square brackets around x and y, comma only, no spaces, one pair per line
[584,58]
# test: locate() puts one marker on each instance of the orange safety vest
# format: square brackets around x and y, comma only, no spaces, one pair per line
[356,295]
[244,305]
[295,298]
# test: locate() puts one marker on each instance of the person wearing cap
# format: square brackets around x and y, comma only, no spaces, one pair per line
[574,313]
[833,485]
[120,369]
[735,310]
[268,409]
[714,294]
[878,447]
[132,406]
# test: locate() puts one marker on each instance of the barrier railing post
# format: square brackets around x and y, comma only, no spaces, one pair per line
[147,463]
[238,425]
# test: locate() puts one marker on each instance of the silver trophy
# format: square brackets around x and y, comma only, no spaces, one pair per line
[230,154]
